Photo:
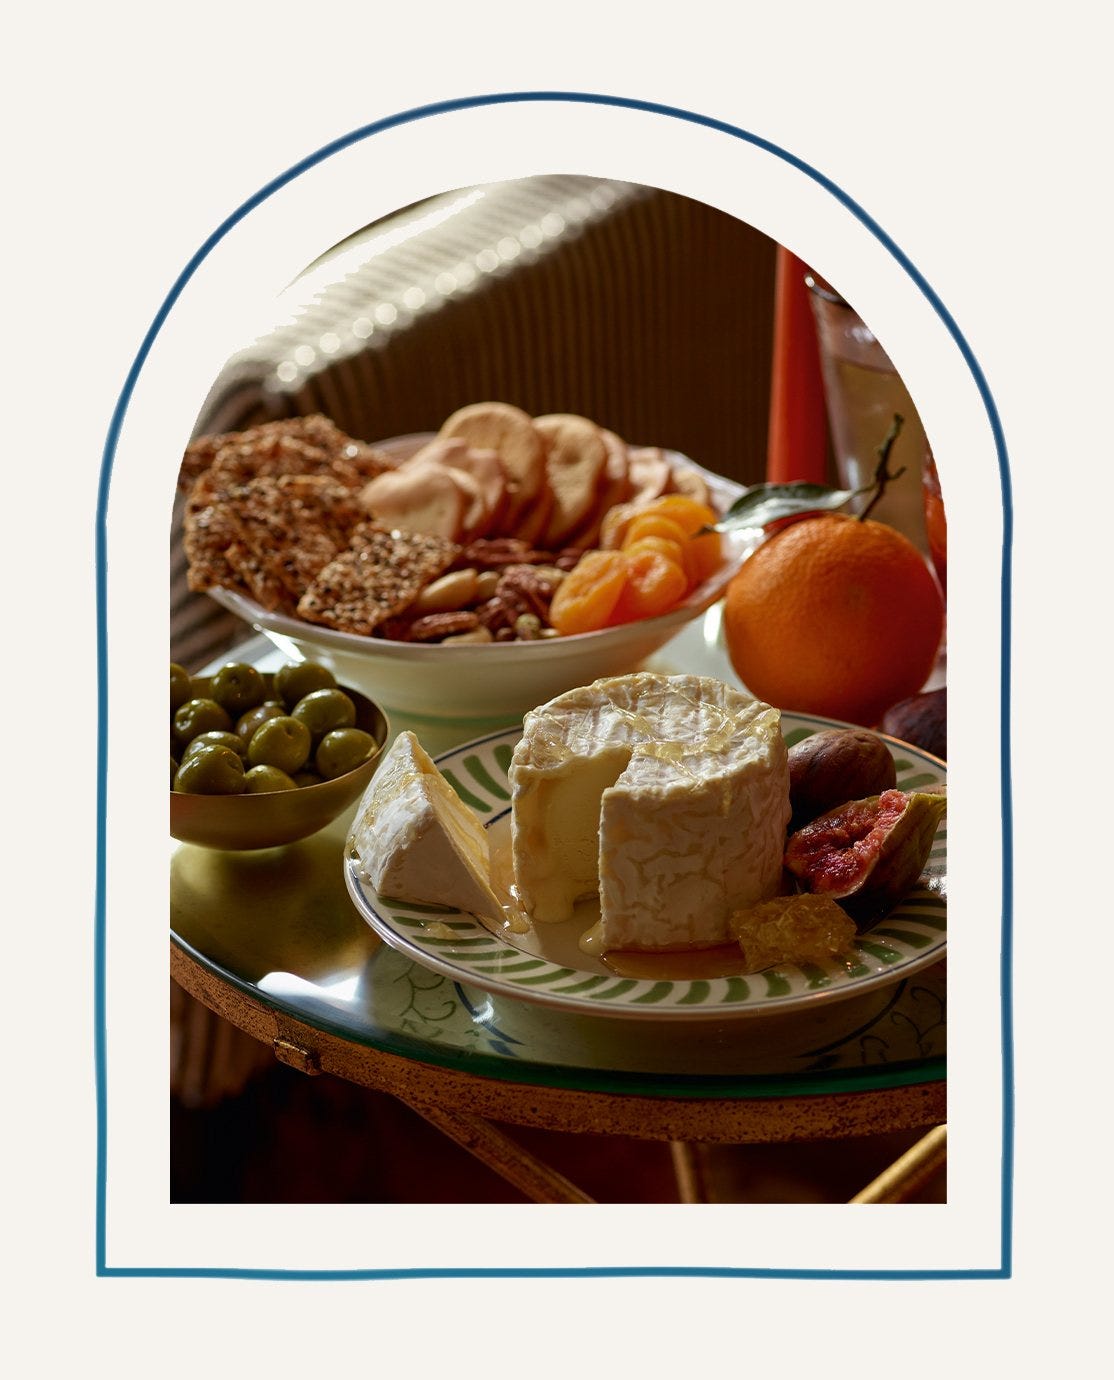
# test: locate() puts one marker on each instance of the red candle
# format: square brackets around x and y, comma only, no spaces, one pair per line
[797,445]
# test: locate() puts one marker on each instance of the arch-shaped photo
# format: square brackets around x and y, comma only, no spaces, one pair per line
[497,455]
[560,668]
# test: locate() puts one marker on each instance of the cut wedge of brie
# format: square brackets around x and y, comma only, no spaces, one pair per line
[416,840]
[668,794]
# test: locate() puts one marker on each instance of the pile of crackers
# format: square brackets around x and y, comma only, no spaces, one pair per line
[307,521]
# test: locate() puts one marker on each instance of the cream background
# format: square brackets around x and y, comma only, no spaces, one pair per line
[971,137]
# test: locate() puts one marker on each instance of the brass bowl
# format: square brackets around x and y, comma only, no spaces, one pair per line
[277,817]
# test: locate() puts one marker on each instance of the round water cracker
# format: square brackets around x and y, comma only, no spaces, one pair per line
[649,474]
[612,489]
[474,522]
[575,459]
[535,518]
[480,473]
[423,498]
[487,471]
[509,432]
[687,481]
[440,450]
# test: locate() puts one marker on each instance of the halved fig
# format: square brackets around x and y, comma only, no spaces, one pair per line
[868,854]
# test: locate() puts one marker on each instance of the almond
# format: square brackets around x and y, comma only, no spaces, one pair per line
[453,591]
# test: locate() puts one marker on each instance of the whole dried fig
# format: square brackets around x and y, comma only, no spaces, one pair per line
[833,766]
[922,721]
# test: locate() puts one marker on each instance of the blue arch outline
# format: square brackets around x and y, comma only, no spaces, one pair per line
[112,440]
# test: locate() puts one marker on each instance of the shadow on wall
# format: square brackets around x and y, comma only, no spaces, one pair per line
[648,312]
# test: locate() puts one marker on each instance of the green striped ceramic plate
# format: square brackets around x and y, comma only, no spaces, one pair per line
[546,965]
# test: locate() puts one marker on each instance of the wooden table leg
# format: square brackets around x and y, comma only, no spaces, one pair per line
[538,1180]
[908,1172]
[688,1170]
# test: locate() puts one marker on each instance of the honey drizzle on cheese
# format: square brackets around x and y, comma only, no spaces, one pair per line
[515,919]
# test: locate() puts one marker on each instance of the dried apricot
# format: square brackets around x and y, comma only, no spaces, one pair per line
[615,522]
[703,556]
[685,512]
[585,599]
[665,546]
[652,524]
[653,585]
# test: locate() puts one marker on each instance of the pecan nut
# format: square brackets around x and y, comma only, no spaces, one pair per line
[496,614]
[433,626]
[396,629]
[525,590]
[489,553]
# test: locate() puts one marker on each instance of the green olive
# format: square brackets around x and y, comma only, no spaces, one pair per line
[180,688]
[212,770]
[343,750]
[199,716]
[217,737]
[263,779]
[297,679]
[305,777]
[323,710]
[173,770]
[247,723]
[282,742]
[238,687]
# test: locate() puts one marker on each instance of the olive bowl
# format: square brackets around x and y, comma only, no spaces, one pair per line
[269,819]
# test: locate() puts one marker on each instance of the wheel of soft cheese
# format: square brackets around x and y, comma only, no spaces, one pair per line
[668,794]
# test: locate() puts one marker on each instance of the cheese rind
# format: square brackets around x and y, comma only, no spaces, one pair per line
[668,794]
[416,840]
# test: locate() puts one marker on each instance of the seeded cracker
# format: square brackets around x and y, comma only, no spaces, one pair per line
[293,445]
[380,574]
[270,536]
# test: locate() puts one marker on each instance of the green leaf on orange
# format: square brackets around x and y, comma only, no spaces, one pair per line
[766,503]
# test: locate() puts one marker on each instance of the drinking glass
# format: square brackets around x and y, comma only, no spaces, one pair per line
[863,391]
[935,521]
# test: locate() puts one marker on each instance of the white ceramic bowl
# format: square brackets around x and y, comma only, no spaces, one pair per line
[498,679]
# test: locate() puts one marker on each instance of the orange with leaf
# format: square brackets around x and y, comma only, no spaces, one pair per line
[833,614]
